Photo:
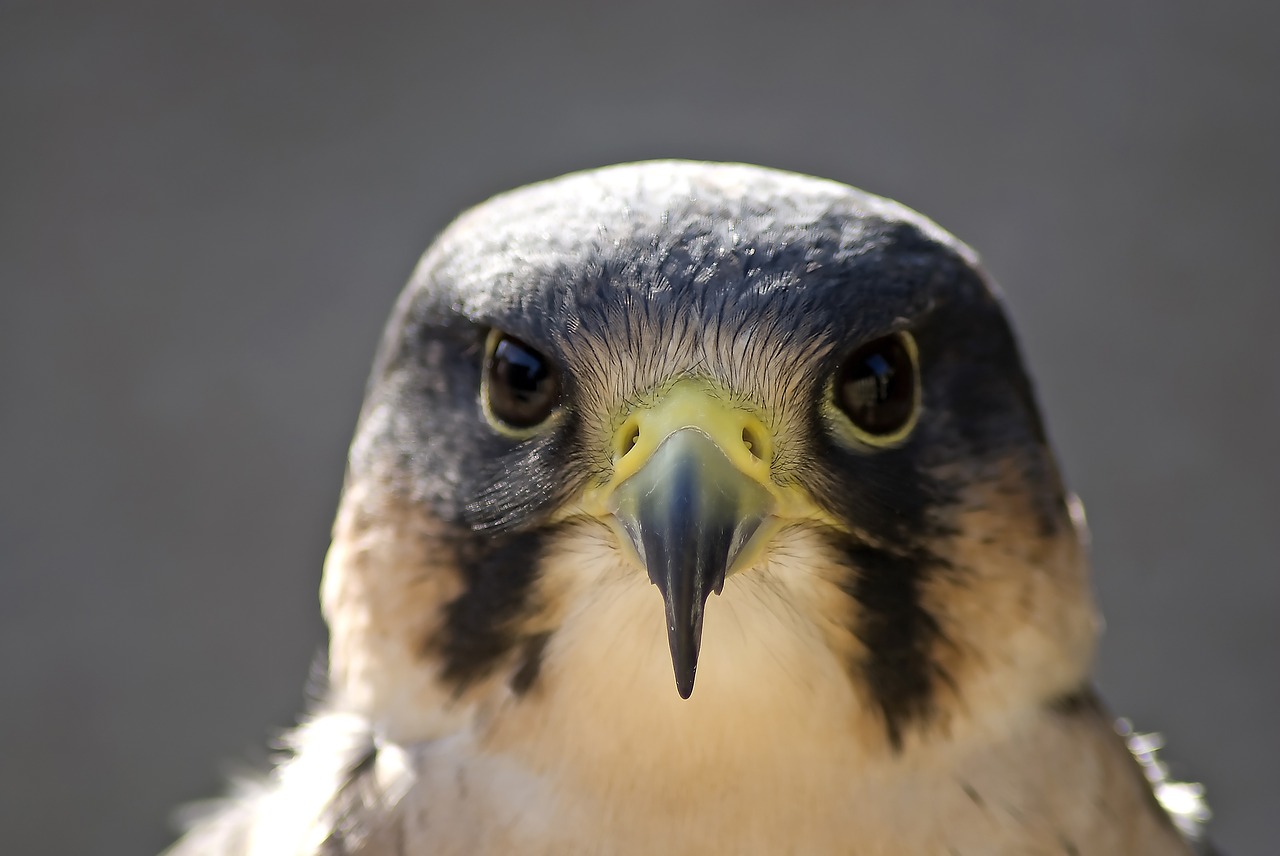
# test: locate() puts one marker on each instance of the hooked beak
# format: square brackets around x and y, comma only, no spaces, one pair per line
[690,495]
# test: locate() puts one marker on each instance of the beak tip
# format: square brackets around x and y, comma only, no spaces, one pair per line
[684,657]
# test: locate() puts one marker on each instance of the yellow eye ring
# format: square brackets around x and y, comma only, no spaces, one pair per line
[876,390]
[519,388]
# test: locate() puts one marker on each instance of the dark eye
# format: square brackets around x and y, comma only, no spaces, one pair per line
[877,388]
[521,385]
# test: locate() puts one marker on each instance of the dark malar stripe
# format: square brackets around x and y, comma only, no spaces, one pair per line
[530,663]
[477,634]
[897,631]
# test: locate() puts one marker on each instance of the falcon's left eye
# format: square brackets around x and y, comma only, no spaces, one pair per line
[521,387]
[878,388]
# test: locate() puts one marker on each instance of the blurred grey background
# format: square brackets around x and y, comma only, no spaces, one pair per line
[208,210]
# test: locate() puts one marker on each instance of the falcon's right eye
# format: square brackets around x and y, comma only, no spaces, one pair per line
[521,387]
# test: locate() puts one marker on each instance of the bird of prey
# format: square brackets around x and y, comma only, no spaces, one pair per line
[704,508]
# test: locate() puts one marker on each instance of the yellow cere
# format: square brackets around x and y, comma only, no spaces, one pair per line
[735,430]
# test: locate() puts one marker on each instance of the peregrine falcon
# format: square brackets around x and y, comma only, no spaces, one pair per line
[605,398]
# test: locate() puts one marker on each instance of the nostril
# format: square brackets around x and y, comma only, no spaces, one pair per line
[752,442]
[628,438]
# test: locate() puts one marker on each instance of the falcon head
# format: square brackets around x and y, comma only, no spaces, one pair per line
[605,398]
